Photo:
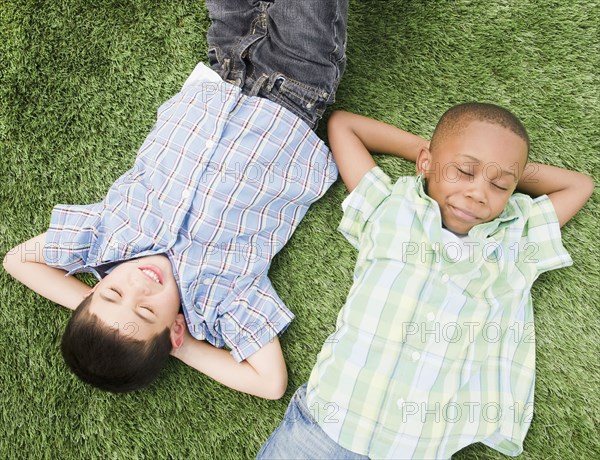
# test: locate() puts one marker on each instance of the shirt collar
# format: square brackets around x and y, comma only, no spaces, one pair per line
[480,231]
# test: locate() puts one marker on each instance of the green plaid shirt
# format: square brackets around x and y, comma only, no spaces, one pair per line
[433,352]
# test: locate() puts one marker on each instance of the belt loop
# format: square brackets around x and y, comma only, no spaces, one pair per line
[258,84]
[225,68]
[275,78]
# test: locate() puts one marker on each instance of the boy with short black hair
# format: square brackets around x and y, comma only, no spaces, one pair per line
[183,241]
[434,348]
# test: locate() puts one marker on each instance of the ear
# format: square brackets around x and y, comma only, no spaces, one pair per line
[178,331]
[423,160]
[90,292]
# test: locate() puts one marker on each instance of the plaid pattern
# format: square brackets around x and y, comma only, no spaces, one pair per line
[219,185]
[432,354]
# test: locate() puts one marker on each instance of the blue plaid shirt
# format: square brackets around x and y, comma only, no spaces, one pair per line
[218,186]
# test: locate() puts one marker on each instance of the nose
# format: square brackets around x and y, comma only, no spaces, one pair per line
[139,284]
[475,190]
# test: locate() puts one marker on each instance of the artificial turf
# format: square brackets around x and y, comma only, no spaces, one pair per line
[80,82]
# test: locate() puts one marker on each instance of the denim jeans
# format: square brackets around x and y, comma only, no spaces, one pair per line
[289,51]
[299,436]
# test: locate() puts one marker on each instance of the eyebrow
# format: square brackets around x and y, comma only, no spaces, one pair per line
[135,311]
[476,160]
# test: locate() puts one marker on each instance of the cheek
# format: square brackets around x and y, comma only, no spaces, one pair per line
[117,273]
[433,187]
[443,189]
[171,298]
[498,204]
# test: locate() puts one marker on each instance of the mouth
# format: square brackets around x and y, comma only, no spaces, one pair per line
[153,273]
[463,215]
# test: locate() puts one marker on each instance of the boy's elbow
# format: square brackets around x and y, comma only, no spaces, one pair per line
[9,260]
[275,386]
[587,185]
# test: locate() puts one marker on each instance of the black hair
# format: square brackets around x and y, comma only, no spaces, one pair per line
[458,118]
[102,357]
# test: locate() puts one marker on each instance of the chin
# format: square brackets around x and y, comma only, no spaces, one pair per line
[460,228]
[462,231]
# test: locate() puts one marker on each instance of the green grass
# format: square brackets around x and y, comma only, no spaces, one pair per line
[80,83]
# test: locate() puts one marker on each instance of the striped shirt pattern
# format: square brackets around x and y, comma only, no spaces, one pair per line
[218,186]
[433,351]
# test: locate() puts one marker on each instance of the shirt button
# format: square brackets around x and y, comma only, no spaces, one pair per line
[430,316]
[206,281]
[445,278]
[185,194]
[400,403]
[210,144]
[416,355]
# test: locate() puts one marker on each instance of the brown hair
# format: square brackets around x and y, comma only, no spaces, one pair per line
[98,355]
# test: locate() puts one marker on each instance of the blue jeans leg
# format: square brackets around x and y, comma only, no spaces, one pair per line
[299,436]
[231,31]
[289,51]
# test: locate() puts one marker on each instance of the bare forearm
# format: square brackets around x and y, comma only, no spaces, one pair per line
[380,137]
[353,137]
[25,263]
[568,190]
[219,365]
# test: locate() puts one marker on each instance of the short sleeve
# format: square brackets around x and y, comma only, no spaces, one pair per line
[545,247]
[358,207]
[71,234]
[254,318]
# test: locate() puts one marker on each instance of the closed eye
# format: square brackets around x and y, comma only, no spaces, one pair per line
[148,316]
[464,172]
[501,188]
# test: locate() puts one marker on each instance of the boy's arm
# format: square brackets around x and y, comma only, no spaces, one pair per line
[26,263]
[352,137]
[568,190]
[263,374]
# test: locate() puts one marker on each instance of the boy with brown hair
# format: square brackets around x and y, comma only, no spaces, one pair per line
[182,242]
